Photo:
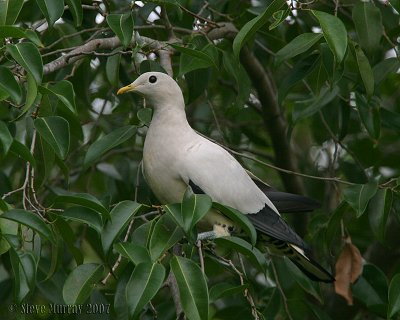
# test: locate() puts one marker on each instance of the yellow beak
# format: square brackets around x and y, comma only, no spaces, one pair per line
[127,88]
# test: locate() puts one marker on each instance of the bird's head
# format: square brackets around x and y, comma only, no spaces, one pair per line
[157,88]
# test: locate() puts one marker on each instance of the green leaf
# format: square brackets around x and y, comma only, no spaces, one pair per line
[63,91]
[369,111]
[394,296]
[358,196]
[11,31]
[6,138]
[372,289]
[239,218]
[251,27]
[31,95]
[249,251]
[68,235]
[112,68]
[52,9]
[192,287]
[122,26]
[85,200]
[135,253]
[243,82]
[303,281]
[106,143]
[145,115]
[368,22]
[7,227]
[75,6]
[191,211]
[279,16]
[334,32]
[33,36]
[365,69]
[31,220]
[9,11]
[298,45]
[382,69]
[165,234]
[395,4]
[314,105]
[22,151]
[121,215]
[10,85]
[300,70]
[198,58]
[223,289]
[390,119]
[379,208]
[28,57]
[147,278]
[84,215]
[55,131]
[80,282]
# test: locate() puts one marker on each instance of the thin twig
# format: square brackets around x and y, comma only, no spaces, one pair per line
[285,303]
[200,255]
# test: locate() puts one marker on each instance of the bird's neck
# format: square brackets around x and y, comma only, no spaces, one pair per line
[170,117]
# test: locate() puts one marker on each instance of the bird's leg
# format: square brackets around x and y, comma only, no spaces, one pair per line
[217,232]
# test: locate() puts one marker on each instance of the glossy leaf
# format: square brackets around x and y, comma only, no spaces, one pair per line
[122,26]
[251,27]
[85,200]
[358,196]
[379,209]
[75,6]
[193,59]
[192,287]
[63,91]
[368,22]
[121,215]
[240,219]
[55,131]
[31,220]
[11,32]
[394,296]
[165,234]
[10,85]
[112,68]
[22,151]
[106,143]
[314,105]
[298,45]
[382,69]
[6,139]
[369,112]
[279,17]
[80,282]
[145,115]
[52,9]
[245,248]
[372,289]
[191,211]
[224,289]
[9,11]
[31,95]
[145,281]
[365,69]
[135,253]
[334,32]
[84,215]
[27,56]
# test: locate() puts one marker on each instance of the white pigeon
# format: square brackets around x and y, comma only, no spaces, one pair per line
[175,157]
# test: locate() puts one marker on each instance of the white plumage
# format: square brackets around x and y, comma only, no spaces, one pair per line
[175,156]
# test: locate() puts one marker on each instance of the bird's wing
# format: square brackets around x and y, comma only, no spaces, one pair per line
[211,169]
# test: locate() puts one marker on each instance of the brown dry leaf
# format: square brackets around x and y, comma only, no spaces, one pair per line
[348,269]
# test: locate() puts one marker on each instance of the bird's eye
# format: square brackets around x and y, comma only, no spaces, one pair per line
[152,79]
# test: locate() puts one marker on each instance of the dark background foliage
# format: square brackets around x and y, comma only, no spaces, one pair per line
[304,94]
